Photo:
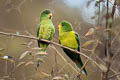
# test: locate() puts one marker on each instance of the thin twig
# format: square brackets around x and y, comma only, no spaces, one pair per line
[64,59]
[105,63]
[108,52]
[114,5]
[108,49]
[114,75]
[62,68]
[93,50]
[99,13]
[54,43]
[116,54]
[114,9]
[113,40]
[86,49]
[50,42]
[84,65]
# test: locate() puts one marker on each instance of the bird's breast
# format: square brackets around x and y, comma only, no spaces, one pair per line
[46,31]
[68,39]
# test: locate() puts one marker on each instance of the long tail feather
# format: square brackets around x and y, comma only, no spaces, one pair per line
[79,64]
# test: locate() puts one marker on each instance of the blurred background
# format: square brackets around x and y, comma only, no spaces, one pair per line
[23,16]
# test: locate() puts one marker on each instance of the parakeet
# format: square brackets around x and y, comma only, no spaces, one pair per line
[45,29]
[69,38]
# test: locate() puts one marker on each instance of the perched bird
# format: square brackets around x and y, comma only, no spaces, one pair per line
[45,29]
[69,38]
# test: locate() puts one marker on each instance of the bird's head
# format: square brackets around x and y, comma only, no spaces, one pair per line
[65,26]
[46,14]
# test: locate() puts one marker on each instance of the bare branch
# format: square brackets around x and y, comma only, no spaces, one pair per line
[64,59]
[50,42]
[114,75]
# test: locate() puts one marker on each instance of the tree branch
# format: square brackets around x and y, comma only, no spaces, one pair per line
[51,42]
[114,75]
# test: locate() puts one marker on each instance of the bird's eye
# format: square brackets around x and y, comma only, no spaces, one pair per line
[62,24]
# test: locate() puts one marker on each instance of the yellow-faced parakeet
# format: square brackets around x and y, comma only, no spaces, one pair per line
[69,38]
[45,29]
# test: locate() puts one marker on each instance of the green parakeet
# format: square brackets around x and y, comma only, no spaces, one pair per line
[45,29]
[69,38]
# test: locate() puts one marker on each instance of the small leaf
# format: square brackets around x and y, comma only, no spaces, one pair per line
[27,44]
[40,60]
[90,32]
[103,67]
[24,43]
[30,43]
[21,63]
[93,17]
[58,78]
[41,53]
[66,76]
[36,48]
[1,49]
[28,63]
[45,74]
[24,54]
[10,60]
[87,43]
[118,77]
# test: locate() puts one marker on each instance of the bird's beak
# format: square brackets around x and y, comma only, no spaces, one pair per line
[59,26]
[50,15]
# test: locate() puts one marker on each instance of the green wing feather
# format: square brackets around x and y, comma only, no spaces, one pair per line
[38,29]
[79,62]
[78,41]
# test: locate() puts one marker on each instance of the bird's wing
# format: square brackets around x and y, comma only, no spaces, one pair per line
[38,30]
[59,42]
[78,41]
